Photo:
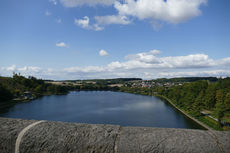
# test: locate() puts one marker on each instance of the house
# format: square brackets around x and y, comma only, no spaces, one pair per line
[27,95]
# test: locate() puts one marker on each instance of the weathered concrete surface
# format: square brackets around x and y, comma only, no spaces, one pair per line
[71,137]
[223,139]
[9,130]
[66,137]
[140,139]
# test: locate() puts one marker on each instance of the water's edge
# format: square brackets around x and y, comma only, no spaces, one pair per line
[164,99]
[183,112]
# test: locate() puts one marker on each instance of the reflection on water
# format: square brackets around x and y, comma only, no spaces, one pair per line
[128,107]
[103,107]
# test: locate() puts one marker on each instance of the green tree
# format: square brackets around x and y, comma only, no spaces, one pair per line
[39,89]
[227,102]
[219,105]
[210,96]
[198,104]
[5,94]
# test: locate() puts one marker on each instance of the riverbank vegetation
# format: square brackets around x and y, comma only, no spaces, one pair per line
[21,88]
[206,99]
[18,86]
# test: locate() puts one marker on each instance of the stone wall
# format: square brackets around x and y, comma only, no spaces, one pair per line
[34,137]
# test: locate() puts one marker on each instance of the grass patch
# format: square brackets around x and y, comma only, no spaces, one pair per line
[210,122]
[226,118]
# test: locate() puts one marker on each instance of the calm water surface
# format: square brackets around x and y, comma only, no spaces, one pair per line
[103,107]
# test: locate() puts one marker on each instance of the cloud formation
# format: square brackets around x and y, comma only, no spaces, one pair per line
[112,19]
[61,44]
[155,11]
[147,65]
[85,23]
[103,53]
[149,60]
[171,11]
[101,21]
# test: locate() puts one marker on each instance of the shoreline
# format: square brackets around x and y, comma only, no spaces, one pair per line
[160,96]
[192,118]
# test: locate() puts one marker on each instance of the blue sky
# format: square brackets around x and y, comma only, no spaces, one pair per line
[84,39]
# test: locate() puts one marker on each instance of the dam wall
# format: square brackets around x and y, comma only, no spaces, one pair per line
[31,136]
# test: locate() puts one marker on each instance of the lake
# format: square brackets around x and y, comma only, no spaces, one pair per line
[103,107]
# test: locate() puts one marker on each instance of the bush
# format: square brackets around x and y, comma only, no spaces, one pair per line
[5,94]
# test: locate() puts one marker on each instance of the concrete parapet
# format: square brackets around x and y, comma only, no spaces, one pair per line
[35,137]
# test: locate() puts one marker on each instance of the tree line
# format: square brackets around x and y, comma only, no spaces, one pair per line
[193,97]
[14,87]
[201,95]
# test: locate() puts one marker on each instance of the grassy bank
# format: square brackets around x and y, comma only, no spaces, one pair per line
[204,121]
[185,113]
[210,122]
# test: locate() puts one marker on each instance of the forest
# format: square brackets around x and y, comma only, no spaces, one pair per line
[15,87]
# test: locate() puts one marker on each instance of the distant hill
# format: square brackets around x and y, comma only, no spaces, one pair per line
[186,79]
[107,81]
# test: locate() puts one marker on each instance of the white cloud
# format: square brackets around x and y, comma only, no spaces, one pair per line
[85,23]
[61,44]
[29,69]
[225,61]
[147,57]
[103,53]
[11,68]
[148,60]
[190,61]
[112,19]
[26,70]
[154,52]
[88,69]
[92,72]
[97,27]
[101,21]
[171,11]
[47,13]
[53,1]
[147,65]
[76,3]
[156,11]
